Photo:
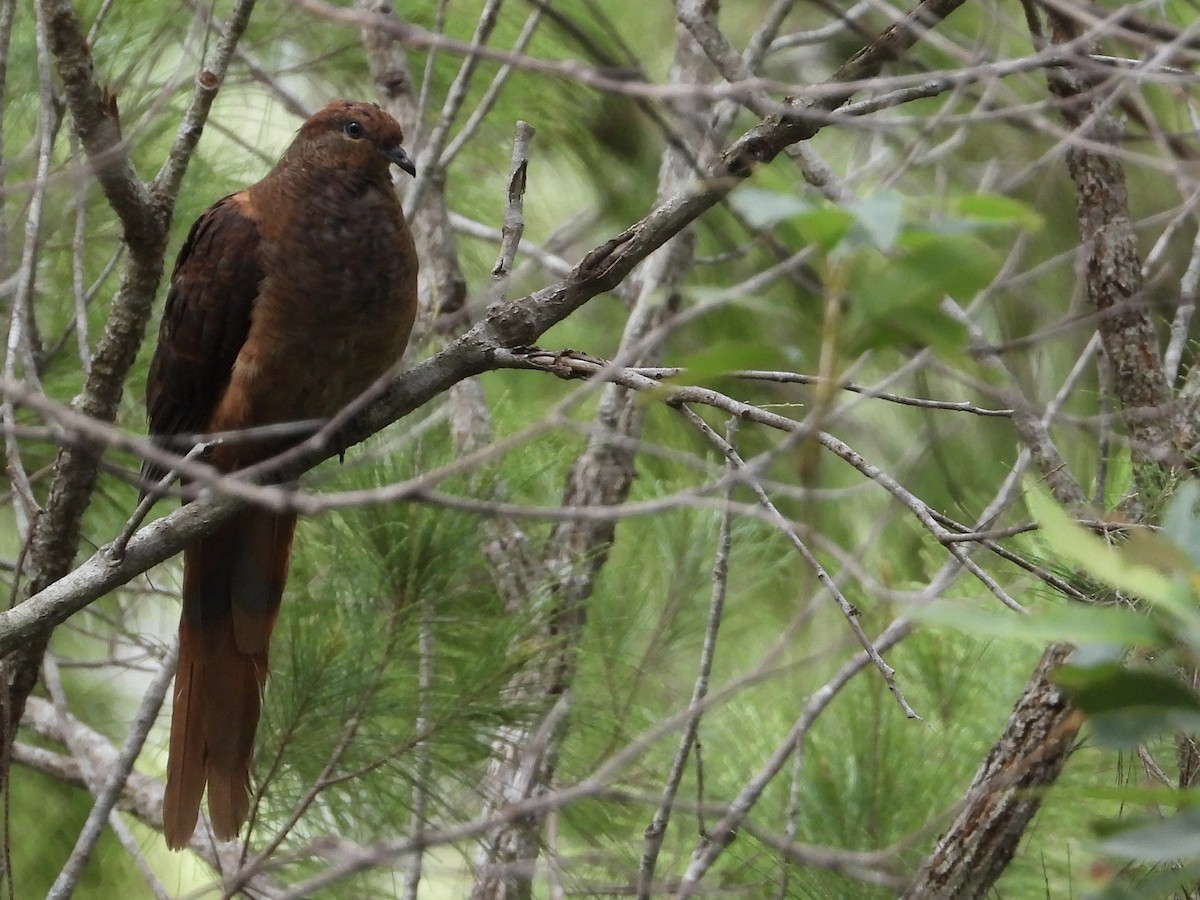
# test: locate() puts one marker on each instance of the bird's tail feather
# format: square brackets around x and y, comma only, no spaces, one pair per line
[233,582]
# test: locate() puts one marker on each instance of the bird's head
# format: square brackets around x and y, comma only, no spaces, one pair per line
[349,135]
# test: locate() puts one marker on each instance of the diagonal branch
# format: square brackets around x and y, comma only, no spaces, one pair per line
[514,324]
[141,795]
[96,121]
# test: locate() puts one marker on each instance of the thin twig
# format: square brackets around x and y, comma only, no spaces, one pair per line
[720,835]
[142,796]
[424,99]
[656,831]
[424,750]
[514,207]
[78,243]
[114,784]
[116,550]
[553,263]
[105,792]
[428,168]
[488,100]
[21,355]
[845,21]
[204,92]
[1181,324]
[849,611]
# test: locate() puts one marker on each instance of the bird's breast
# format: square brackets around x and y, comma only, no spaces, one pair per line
[333,312]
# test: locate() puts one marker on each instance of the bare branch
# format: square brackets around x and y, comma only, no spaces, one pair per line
[657,829]
[723,832]
[1007,791]
[94,115]
[847,608]
[108,790]
[1114,272]
[514,218]
[141,796]
[208,82]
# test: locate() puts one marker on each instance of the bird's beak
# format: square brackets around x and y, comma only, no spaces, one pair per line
[400,158]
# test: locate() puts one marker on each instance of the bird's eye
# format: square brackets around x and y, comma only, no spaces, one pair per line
[353,130]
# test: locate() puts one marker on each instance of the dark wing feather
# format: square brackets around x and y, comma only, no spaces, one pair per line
[213,290]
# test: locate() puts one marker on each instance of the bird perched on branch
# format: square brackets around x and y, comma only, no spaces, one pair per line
[288,300]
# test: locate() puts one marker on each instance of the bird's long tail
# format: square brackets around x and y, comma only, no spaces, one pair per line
[232,584]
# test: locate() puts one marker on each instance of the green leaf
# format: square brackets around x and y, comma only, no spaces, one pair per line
[724,357]
[877,220]
[1180,522]
[821,224]
[1088,656]
[1127,794]
[1078,624]
[960,265]
[894,303]
[1155,887]
[1127,706]
[1081,548]
[763,208]
[1147,566]
[1110,686]
[1127,729]
[1176,837]
[994,209]
[824,226]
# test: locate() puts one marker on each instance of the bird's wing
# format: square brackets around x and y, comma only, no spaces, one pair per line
[213,290]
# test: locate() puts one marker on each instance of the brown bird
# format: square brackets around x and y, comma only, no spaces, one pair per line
[287,301]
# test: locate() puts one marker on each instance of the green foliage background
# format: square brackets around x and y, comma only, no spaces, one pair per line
[363,579]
